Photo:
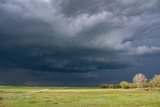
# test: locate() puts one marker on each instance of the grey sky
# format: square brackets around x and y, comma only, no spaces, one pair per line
[83,38]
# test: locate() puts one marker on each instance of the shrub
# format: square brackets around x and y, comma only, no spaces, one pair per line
[111,86]
[124,84]
[132,85]
[115,86]
[103,86]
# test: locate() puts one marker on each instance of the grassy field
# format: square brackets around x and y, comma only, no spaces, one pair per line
[76,97]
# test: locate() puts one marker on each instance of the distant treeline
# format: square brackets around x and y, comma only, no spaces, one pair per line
[139,81]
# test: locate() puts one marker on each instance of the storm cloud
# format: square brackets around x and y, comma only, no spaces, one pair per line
[77,35]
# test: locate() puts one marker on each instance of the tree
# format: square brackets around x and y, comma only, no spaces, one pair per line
[155,82]
[124,84]
[139,80]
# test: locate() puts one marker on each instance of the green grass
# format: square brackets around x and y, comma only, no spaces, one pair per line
[76,97]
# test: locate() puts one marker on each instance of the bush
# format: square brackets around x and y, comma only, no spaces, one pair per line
[111,86]
[104,86]
[124,84]
[115,86]
[132,85]
[146,85]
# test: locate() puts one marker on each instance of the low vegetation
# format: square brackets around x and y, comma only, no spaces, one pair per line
[139,81]
[77,97]
[140,93]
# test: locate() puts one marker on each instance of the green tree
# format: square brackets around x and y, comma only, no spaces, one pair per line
[140,80]
[155,82]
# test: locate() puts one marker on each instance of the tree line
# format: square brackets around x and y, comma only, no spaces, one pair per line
[139,81]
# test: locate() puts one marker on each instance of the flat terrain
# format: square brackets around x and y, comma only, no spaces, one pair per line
[76,97]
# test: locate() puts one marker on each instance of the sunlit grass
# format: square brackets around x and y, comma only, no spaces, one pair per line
[76,97]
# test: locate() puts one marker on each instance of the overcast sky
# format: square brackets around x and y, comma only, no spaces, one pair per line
[78,42]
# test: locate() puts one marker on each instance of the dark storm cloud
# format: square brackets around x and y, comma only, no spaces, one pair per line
[59,59]
[77,36]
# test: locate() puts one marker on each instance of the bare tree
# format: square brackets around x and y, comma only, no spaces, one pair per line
[139,80]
